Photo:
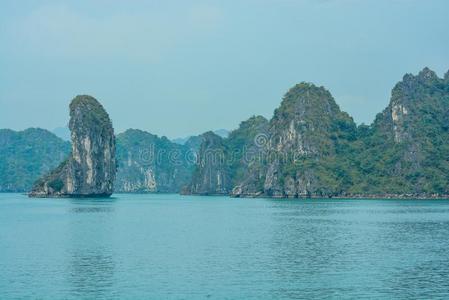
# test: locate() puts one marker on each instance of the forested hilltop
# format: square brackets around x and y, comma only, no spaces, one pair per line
[310,148]
[146,162]
[26,155]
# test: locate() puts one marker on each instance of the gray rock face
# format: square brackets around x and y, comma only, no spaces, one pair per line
[305,128]
[212,175]
[398,119]
[90,169]
[414,129]
[249,144]
[148,163]
[306,131]
[231,165]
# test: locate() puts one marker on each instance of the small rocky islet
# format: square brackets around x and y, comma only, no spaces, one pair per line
[90,169]
[309,148]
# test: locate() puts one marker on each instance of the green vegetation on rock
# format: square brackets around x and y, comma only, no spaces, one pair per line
[313,149]
[27,155]
[90,170]
[309,148]
[148,163]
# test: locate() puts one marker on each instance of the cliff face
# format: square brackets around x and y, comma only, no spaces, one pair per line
[406,149]
[148,163]
[305,136]
[249,146]
[212,172]
[90,169]
[27,155]
[312,149]
[231,165]
[295,154]
[418,103]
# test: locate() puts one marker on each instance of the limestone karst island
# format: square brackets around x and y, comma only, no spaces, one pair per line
[89,170]
[211,149]
[309,148]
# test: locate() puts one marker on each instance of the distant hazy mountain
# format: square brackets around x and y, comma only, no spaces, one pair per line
[148,163]
[181,141]
[310,148]
[27,155]
[219,166]
[62,132]
[220,132]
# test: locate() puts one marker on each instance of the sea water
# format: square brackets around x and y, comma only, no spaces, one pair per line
[163,246]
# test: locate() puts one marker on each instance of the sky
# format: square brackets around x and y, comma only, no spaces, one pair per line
[177,68]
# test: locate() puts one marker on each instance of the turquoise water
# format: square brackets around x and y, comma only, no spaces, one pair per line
[187,247]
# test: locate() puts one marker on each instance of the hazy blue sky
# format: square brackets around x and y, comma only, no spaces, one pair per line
[183,67]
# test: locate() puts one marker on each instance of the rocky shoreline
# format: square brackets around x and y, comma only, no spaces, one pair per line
[310,148]
[361,197]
